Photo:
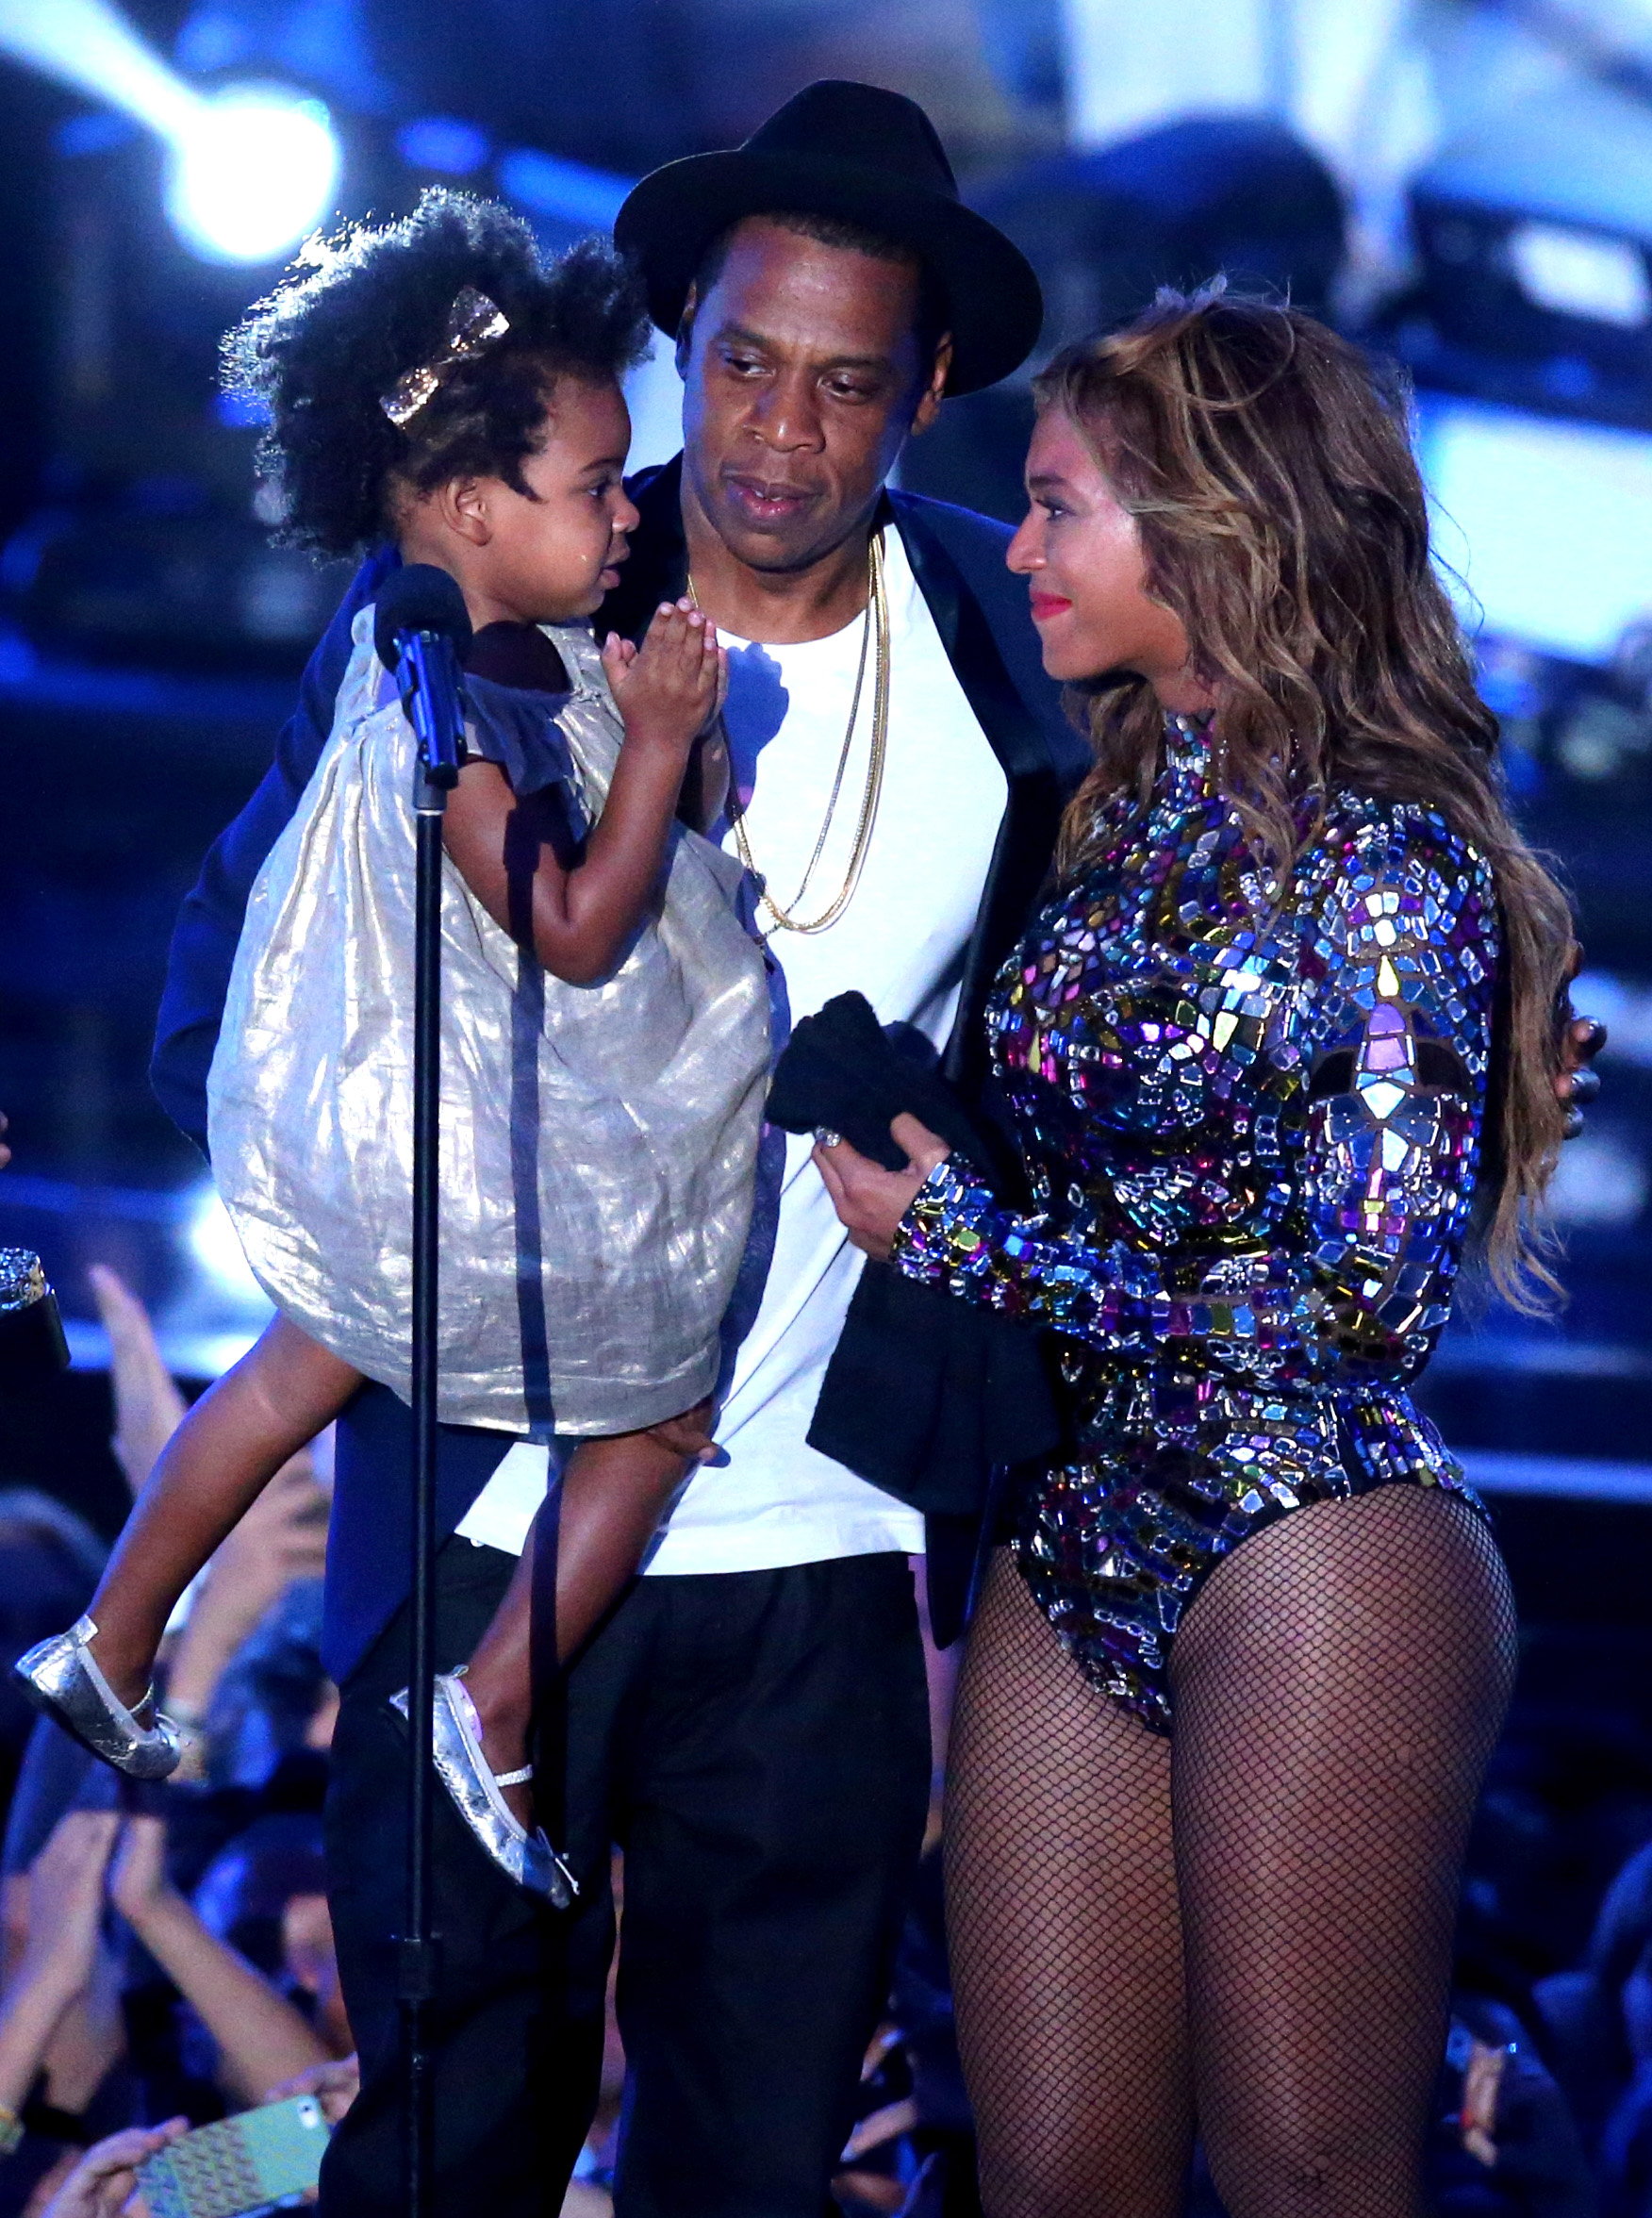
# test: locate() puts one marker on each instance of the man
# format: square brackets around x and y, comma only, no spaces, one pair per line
[750,1726]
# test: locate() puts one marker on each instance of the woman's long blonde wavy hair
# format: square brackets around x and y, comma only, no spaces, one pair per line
[1268,464]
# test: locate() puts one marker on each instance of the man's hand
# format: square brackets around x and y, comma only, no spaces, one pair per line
[870,1201]
[688,1436]
[670,687]
[1578,1081]
[1582,1038]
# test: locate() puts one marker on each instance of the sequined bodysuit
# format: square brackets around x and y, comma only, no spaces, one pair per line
[1251,1133]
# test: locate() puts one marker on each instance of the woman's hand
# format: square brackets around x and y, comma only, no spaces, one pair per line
[870,1201]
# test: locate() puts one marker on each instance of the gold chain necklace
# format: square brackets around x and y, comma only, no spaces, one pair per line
[876,626]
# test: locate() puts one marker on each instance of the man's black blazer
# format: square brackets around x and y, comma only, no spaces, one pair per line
[981,613]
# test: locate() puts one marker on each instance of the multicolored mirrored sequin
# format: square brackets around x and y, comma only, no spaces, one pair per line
[1251,1127]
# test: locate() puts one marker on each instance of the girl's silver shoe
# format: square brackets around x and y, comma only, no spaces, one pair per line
[526,1858]
[60,1675]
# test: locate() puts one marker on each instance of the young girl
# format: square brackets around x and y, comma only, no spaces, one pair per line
[604,1044]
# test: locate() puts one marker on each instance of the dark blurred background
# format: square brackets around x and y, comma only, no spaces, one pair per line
[1465,184]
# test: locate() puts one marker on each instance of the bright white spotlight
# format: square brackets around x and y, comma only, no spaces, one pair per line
[212,1242]
[254,172]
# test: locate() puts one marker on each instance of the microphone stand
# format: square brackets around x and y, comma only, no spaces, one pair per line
[428,675]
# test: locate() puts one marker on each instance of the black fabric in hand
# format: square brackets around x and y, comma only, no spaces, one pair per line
[926,1394]
[841,1071]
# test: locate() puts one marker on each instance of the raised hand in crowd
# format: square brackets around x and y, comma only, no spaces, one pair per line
[104,2183]
[148,1405]
[262,2039]
[282,1536]
[334,2086]
[60,1954]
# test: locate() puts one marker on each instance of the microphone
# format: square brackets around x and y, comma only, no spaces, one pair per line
[421,632]
[32,1346]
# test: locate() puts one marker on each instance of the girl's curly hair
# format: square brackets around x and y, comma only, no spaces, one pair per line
[1268,466]
[366,305]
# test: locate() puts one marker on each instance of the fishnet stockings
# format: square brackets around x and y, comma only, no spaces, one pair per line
[1253,1920]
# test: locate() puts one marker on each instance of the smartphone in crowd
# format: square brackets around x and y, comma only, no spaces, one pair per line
[262,2159]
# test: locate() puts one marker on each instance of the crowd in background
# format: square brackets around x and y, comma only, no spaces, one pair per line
[168,1957]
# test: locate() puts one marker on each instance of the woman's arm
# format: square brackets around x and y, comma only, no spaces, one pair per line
[577,914]
[284,1391]
[1395,1042]
[261,2038]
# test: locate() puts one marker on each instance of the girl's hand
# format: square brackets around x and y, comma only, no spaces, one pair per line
[870,1201]
[670,687]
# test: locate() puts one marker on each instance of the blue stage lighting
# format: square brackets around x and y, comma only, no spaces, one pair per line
[253,167]
[574,195]
[442,143]
[255,173]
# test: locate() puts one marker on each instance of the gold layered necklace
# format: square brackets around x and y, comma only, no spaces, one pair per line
[875,641]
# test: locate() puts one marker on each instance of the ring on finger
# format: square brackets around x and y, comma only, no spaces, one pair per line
[826,1137]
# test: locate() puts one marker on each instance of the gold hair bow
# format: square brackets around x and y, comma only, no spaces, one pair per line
[474,323]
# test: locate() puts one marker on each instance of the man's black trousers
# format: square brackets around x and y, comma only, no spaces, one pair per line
[757,1745]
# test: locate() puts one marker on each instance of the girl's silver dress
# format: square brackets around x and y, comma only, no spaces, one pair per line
[597,1142]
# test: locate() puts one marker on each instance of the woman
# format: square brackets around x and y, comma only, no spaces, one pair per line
[1286,1036]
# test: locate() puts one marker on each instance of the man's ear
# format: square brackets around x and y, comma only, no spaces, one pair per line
[929,401]
[462,504]
[684,344]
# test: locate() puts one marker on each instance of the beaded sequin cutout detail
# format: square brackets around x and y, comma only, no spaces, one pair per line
[1251,1126]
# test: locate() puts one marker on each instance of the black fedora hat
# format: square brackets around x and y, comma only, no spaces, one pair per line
[866,156]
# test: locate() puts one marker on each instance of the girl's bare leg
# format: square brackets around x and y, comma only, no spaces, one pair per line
[284,1391]
[611,1498]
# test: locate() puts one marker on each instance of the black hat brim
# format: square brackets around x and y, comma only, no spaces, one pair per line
[995,307]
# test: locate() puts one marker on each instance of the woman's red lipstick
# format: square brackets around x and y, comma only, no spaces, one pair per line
[1049,604]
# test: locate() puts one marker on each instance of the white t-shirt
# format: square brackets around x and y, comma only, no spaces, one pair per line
[902,943]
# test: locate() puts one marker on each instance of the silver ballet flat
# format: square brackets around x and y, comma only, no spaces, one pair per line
[60,1675]
[526,1858]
